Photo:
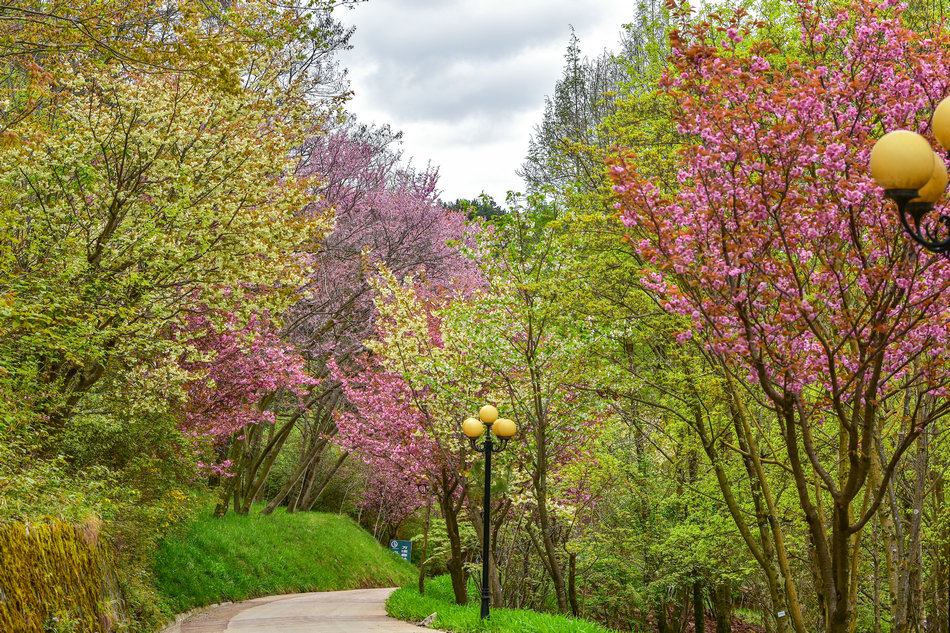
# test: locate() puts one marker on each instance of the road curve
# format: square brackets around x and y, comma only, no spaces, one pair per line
[324,612]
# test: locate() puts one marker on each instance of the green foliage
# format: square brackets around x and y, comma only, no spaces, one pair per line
[141,500]
[241,557]
[440,551]
[407,604]
[484,206]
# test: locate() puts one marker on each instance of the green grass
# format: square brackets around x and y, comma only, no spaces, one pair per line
[242,557]
[407,604]
[748,615]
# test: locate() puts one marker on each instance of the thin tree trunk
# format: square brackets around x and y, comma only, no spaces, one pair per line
[450,513]
[571,585]
[699,612]
[425,547]
[791,594]
[876,559]
[722,599]
[311,501]
[659,610]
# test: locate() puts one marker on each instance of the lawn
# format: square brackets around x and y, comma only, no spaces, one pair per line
[242,557]
[407,604]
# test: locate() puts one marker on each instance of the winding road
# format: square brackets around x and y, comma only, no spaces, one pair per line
[324,612]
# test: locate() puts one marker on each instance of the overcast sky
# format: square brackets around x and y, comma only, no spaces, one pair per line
[465,80]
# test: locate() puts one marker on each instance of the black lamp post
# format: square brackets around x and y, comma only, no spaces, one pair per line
[914,176]
[504,429]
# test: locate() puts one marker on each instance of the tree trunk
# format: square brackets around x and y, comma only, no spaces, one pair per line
[699,612]
[763,547]
[229,484]
[425,547]
[722,600]
[306,461]
[450,512]
[549,551]
[876,561]
[311,499]
[539,477]
[680,608]
[571,585]
[659,610]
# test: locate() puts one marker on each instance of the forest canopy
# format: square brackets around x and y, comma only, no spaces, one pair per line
[726,363]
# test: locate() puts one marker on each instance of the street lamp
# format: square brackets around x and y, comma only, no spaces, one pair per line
[914,176]
[504,429]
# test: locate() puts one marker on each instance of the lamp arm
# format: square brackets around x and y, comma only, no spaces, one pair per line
[934,236]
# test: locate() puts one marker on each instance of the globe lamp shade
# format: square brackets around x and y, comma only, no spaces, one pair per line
[902,160]
[504,428]
[940,123]
[472,427]
[937,184]
[488,414]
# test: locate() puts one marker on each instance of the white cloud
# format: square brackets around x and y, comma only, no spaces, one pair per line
[465,80]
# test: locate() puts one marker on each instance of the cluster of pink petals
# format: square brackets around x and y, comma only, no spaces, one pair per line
[776,243]
[384,214]
[385,430]
[236,367]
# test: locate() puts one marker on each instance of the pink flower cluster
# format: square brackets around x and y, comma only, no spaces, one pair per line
[777,244]
[235,368]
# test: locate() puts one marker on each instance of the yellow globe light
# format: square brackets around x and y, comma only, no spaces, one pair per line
[504,427]
[940,123]
[472,427]
[935,187]
[902,160]
[488,414]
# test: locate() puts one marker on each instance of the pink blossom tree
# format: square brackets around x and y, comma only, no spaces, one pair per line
[387,214]
[406,438]
[239,371]
[237,368]
[788,261]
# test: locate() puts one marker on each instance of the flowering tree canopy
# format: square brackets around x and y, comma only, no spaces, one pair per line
[785,256]
[235,369]
[385,214]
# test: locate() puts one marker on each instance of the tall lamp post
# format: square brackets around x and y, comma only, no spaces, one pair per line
[504,429]
[914,176]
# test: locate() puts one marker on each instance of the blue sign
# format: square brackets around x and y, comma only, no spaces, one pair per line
[403,548]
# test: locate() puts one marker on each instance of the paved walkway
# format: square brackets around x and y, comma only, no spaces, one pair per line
[324,612]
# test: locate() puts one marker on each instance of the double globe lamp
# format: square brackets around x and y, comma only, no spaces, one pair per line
[914,176]
[504,429]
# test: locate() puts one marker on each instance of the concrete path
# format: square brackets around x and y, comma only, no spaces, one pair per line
[324,612]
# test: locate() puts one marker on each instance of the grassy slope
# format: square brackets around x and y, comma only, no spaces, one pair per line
[407,604]
[241,557]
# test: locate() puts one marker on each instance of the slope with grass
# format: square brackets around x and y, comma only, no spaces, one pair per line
[242,557]
[407,604]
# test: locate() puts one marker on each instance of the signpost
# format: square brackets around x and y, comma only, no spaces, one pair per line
[403,548]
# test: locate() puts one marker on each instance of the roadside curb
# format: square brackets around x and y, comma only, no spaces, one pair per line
[175,625]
